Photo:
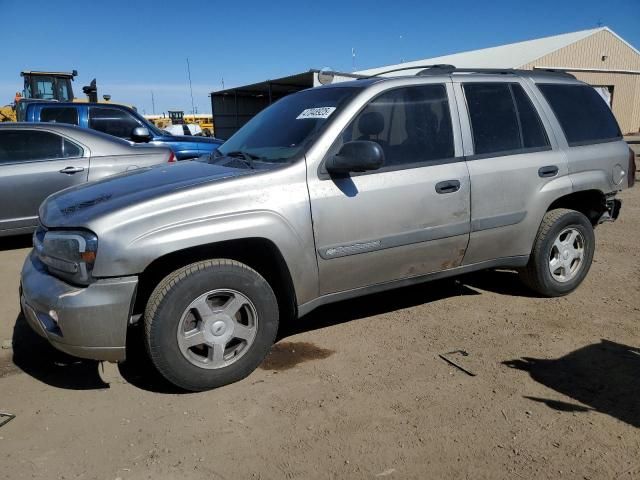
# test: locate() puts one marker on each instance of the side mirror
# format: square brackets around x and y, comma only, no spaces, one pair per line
[356,156]
[140,134]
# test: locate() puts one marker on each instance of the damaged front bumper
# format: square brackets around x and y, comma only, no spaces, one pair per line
[87,322]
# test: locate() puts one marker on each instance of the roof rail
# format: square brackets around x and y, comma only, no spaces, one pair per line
[424,67]
[448,69]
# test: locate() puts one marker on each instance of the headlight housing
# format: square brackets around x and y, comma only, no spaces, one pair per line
[69,254]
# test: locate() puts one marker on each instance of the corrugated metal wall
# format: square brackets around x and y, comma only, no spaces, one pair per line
[587,53]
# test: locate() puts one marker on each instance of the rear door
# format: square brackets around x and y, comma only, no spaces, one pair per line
[515,166]
[35,163]
[407,219]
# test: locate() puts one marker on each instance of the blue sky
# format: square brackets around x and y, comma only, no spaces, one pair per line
[136,46]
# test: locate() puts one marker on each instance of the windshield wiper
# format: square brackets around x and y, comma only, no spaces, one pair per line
[247,157]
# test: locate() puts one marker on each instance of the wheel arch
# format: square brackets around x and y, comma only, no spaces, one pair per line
[591,203]
[259,253]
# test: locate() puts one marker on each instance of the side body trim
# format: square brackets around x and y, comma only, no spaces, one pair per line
[391,241]
[497,221]
[424,235]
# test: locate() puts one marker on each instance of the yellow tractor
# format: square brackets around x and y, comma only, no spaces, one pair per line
[39,86]
[46,86]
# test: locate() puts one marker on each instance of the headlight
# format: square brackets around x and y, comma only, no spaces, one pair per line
[69,254]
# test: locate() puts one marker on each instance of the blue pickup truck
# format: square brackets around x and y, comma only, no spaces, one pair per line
[119,121]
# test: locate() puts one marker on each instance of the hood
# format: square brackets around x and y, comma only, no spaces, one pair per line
[188,138]
[76,206]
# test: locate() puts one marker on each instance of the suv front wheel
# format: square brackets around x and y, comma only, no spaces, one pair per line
[210,323]
[562,253]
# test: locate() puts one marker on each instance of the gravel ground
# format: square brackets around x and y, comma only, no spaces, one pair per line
[358,390]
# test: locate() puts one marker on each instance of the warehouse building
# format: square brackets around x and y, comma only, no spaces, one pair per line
[598,56]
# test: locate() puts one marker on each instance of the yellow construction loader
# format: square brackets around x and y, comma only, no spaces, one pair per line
[47,86]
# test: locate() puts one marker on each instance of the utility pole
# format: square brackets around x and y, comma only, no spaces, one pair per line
[153,103]
[193,110]
[353,59]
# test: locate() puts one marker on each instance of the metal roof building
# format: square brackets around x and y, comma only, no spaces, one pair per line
[233,107]
[598,56]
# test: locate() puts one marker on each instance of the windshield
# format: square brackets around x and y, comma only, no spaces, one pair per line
[286,128]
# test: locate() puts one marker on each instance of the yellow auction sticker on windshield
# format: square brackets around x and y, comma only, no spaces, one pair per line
[319,112]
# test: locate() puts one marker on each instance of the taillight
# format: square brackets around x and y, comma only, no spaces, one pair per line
[172,158]
[632,168]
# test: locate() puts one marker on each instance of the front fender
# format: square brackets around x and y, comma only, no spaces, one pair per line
[297,249]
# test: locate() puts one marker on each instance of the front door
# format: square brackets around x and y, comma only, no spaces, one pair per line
[34,164]
[407,219]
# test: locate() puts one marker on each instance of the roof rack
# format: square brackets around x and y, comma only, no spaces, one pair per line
[439,66]
[446,69]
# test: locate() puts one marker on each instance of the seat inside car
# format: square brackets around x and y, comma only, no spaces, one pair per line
[370,125]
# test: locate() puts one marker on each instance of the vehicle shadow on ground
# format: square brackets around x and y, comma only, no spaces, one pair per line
[503,282]
[375,304]
[15,243]
[138,370]
[603,376]
[36,357]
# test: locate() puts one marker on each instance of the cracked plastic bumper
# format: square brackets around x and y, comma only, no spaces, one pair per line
[87,322]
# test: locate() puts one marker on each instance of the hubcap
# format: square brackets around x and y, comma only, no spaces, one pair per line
[567,255]
[217,328]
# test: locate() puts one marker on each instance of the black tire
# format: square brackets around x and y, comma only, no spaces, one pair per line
[537,274]
[175,293]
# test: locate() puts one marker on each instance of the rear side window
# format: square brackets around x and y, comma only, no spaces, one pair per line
[411,124]
[503,119]
[112,121]
[59,115]
[583,114]
[18,146]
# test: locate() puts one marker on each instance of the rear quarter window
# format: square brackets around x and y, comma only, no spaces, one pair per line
[583,115]
[59,115]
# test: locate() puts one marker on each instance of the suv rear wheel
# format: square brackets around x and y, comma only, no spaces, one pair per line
[210,323]
[562,253]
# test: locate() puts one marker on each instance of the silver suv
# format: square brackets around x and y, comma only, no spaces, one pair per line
[329,194]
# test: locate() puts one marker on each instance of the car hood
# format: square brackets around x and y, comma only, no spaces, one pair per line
[187,139]
[76,206]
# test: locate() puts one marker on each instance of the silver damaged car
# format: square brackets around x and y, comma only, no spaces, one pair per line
[330,193]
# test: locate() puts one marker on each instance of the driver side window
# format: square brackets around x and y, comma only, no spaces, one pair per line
[112,121]
[411,124]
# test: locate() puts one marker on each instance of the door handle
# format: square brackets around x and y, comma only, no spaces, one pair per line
[72,170]
[548,171]
[448,186]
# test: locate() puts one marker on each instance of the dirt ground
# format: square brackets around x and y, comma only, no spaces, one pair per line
[357,389]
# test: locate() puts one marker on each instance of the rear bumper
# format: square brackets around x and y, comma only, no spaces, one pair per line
[91,321]
[613,206]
